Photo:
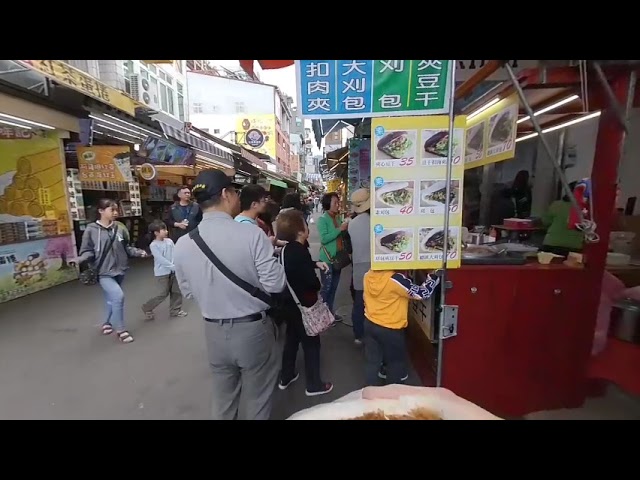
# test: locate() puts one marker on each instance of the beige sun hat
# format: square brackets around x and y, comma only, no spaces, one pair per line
[360,200]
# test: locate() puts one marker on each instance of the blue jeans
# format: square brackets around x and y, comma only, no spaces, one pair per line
[114,301]
[357,315]
[384,346]
[330,281]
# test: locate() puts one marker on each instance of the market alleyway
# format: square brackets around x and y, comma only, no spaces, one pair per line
[55,365]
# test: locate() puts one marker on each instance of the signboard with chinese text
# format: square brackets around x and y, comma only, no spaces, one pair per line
[104,163]
[258,133]
[408,191]
[359,166]
[83,82]
[491,135]
[337,89]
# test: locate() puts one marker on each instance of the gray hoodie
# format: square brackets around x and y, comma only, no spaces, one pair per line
[96,238]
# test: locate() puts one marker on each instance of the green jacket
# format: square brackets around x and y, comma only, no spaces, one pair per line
[558,232]
[328,236]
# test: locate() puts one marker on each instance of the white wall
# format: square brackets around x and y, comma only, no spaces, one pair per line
[218,125]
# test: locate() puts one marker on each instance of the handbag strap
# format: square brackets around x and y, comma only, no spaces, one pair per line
[108,247]
[246,286]
[293,294]
[326,252]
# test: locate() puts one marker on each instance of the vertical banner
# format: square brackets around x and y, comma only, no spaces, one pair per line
[409,192]
[491,134]
[359,164]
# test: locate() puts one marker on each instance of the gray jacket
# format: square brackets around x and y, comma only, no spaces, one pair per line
[96,238]
[360,233]
[242,248]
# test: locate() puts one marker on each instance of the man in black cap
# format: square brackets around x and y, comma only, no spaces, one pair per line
[241,338]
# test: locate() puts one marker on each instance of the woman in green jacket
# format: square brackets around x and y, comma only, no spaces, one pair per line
[561,239]
[330,228]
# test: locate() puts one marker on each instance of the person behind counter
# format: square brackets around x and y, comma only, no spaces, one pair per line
[521,194]
[184,215]
[561,239]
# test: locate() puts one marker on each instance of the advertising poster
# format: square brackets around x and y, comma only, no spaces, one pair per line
[372,88]
[359,164]
[409,192]
[105,163]
[34,214]
[491,135]
[257,132]
[31,266]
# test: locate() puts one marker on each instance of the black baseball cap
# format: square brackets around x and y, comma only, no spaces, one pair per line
[209,183]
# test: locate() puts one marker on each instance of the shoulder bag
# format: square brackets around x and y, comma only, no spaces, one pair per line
[340,261]
[90,275]
[246,286]
[315,319]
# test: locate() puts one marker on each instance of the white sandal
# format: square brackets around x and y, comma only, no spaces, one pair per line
[125,337]
[107,329]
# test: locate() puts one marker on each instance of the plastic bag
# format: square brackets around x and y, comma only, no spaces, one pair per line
[612,290]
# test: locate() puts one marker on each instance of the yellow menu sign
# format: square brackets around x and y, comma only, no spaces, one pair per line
[84,83]
[491,135]
[408,183]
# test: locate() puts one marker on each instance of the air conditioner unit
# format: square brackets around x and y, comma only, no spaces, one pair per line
[145,92]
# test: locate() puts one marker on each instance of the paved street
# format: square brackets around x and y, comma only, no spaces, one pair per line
[55,365]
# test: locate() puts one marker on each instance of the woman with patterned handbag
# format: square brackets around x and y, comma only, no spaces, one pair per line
[301,300]
[332,247]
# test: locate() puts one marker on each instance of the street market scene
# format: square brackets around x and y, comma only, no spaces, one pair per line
[319,239]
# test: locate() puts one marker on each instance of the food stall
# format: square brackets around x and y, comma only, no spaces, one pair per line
[513,337]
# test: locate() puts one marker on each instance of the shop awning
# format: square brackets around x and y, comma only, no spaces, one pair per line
[278,183]
[198,143]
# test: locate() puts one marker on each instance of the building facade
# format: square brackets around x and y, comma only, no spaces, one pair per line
[251,114]
[160,86]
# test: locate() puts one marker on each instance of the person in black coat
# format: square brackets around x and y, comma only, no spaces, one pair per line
[301,276]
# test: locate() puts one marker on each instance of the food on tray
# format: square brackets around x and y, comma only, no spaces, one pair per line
[503,128]
[395,144]
[438,144]
[434,240]
[476,138]
[399,197]
[415,414]
[397,242]
[439,195]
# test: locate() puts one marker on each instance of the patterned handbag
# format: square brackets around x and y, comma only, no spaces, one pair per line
[316,319]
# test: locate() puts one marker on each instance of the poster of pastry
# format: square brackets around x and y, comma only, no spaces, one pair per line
[410,193]
[491,133]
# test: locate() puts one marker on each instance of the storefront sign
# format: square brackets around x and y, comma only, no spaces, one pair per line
[372,88]
[11,133]
[258,133]
[31,266]
[491,135]
[83,82]
[359,166]
[105,163]
[408,192]
[148,171]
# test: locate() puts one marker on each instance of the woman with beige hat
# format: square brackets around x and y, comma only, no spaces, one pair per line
[360,232]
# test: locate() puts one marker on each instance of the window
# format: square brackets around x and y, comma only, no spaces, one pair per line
[162,75]
[240,108]
[197,108]
[170,99]
[216,130]
[153,69]
[180,88]
[144,73]
[181,107]
[169,80]
[298,121]
[163,97]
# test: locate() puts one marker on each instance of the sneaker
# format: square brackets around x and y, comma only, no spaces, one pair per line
[149,316]
[338,318]
[383,375]
[284,386]
[357,341]
[181,313]
[326,388]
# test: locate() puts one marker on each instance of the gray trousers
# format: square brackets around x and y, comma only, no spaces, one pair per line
[245,361]
[167,286]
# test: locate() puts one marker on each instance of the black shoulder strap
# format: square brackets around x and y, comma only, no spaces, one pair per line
[246,286]
[107,248]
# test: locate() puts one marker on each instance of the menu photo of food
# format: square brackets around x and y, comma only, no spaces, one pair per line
[393,244]
[396,148]
[475,143]
[436,147]
[502,130]
[433,195]
[432,243]
[394,197]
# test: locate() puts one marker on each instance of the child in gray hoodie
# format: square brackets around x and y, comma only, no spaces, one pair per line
[105,235]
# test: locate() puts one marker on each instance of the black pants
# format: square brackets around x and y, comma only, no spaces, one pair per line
[384,345]
[295,336]
[557,250]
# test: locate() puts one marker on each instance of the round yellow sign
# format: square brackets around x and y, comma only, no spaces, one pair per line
[147,171]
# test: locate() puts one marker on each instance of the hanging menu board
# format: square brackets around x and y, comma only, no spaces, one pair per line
[409,167]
